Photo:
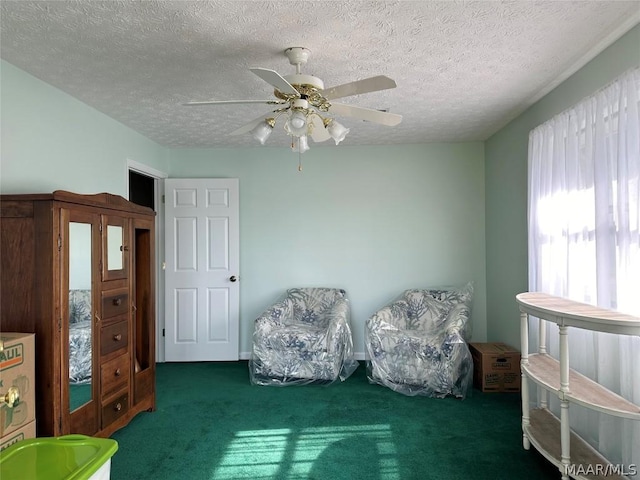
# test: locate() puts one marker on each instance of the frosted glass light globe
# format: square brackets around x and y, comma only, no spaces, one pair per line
[297,124]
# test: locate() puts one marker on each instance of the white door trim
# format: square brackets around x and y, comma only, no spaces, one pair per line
[158,188]
[145,169]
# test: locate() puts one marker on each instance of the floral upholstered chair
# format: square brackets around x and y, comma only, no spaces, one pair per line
[303,338]
[417,345]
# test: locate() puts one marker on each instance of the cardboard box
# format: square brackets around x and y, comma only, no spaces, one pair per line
[17,371]
[27,431]
[496,367]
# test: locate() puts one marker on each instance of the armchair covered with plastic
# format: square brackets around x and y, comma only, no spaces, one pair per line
[417,344]
[303,338]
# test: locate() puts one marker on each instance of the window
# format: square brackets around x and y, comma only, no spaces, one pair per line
[584,241]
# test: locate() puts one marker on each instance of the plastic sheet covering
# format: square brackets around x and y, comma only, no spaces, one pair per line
[80,352]
[80,336]
[305,337]
[417,344]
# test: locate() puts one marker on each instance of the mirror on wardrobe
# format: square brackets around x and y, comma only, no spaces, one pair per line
[115,249]
[80,315]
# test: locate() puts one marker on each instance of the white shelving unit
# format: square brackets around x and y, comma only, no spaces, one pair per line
[551,436]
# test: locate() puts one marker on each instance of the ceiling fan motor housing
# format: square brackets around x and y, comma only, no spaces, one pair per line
[305,84]
[299,79]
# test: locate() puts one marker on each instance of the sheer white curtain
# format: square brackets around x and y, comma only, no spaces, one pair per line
[584,243]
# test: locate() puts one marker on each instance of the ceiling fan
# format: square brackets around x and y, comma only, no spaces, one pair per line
[309,107]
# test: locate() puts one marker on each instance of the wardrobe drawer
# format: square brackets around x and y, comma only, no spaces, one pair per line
[114,337]
[115,409]
[115,303]
[114,374]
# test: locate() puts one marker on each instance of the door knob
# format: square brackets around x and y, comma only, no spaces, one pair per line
[233,278]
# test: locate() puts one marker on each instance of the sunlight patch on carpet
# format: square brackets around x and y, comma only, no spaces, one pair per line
[294,453]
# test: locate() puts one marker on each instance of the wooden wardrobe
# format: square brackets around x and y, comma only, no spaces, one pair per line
[78,271]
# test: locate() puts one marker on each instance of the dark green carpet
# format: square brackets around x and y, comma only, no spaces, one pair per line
[211,423]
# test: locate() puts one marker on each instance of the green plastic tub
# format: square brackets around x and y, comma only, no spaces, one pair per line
[70,457]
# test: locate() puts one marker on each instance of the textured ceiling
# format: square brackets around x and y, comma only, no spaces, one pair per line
[463,69]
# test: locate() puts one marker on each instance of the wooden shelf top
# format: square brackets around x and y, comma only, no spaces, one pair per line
[570,313]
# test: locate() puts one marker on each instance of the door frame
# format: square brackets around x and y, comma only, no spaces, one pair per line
[158,190]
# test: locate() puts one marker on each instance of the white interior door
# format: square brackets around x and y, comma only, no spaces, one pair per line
[202,266]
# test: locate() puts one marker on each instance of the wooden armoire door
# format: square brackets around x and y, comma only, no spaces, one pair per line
[79,277]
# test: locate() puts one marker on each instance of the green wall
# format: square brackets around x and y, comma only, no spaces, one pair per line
[52,141]
[371,220]
[506,188]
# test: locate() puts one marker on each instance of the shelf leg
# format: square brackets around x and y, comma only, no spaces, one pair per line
[525,412]
[524,387]
[564,361]
[542,348]
[524,338]
[565,432]
[565,437]
[542,336]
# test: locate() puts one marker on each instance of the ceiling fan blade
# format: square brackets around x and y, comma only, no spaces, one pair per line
[231,102]
[274,78]
[319,132]
[375,116]
[372,84]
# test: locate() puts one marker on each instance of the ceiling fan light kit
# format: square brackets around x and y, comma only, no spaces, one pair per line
[300,144]
[296,125]
[262,131]
[304,101]
[337,131]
